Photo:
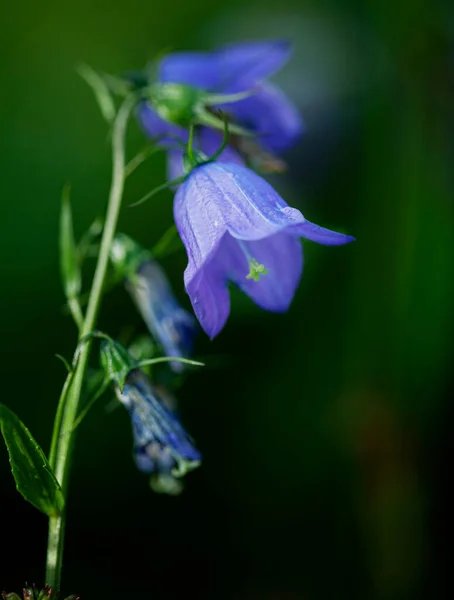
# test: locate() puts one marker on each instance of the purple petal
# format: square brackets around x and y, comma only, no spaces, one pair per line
[209,297]
[271,115]
[157,432]
[226,215]
[318,234]
[168,322]
[175,166]
[154,126]
[243,65]
[234,67]
[248,207]
[198,218]
[220,197]
[198,69]
[282,256]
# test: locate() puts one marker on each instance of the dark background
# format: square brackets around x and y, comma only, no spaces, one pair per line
[326,434]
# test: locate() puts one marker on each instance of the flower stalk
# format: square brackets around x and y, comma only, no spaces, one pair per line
[63,433]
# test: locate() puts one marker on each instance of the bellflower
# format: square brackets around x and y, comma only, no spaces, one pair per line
[161,445]
[166,320]
[236,68]
[169,324]
[236,227]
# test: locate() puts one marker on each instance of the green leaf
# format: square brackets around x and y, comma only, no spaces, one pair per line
[34,477]
[101,91]
[65,362]
[69,264]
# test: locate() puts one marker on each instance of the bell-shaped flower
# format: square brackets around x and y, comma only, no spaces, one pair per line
[170,325]
[266,112]
[161,445]
[238,68]
[236,228]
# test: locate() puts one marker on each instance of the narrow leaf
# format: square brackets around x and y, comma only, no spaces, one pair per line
[168,243]
[65,362]
[34,477]
[69,265]
[101,91]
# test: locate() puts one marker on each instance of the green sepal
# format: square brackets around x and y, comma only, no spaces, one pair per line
[34,477]
[185,466]
[29,593]
[184,105]
[45,593]
[69,264]
[116,362]
[209,119]
[176,103]
[126,256]
[10,596]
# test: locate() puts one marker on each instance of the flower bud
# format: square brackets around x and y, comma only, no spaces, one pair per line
[29,593]
[161,445]
[176,103]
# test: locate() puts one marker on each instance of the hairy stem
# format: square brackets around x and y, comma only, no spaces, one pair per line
[63,434]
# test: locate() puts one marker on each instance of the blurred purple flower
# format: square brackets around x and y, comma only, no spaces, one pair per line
[161,445]
[172,326]
[235,68]
[236,227]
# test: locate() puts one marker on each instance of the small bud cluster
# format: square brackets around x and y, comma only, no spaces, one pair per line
[33,593]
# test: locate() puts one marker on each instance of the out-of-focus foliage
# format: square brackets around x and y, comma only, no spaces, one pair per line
[323,431]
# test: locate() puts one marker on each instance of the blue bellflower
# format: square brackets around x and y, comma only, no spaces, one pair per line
[235,68]
[236,227]
[170,325]
[161,445]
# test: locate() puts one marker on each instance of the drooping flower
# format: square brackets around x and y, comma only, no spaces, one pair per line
[236,228]
[161,445]
[169,324]
[267,112]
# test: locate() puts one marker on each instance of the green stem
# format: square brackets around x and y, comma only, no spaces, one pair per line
[62,438]
[55,543]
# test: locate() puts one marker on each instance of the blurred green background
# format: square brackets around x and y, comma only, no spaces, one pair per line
[326,435]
